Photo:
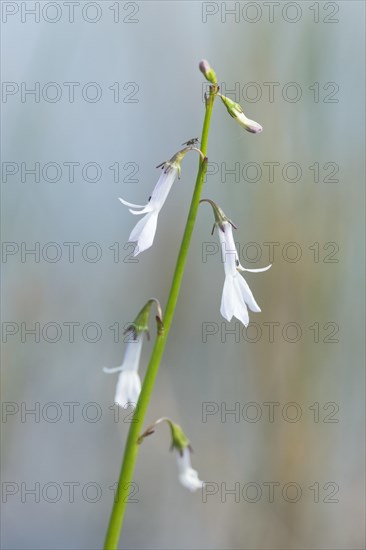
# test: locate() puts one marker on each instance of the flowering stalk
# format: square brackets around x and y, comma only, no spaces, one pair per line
[132,446]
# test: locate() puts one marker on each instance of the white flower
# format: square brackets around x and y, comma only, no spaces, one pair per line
[187,475]
[144,231]
[236,294]
[128,385]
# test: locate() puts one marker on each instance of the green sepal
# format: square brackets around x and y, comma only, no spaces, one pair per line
[179,439]
[232,107]
[141,323]
[220,216]
[176,160]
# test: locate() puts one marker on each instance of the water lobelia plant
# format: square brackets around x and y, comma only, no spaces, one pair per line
[235,299]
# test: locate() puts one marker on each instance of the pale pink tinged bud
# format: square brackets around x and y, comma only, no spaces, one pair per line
[208,71]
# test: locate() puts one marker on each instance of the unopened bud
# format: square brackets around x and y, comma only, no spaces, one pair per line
[208,71]
[235,110]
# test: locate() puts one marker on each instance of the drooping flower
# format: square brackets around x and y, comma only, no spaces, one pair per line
[235,110]
[236,295]
[187,476]
[144,231]
[129,384]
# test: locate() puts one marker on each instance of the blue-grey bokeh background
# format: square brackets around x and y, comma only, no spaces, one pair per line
[159,52]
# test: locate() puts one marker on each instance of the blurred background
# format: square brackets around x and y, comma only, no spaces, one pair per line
[116,91]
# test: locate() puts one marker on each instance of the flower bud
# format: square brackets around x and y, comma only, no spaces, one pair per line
[208,71]
[235,110]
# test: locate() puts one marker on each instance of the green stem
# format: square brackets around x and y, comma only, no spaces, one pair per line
[132,447]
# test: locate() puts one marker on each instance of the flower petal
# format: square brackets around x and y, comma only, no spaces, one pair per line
[233,303]
[126,203]
[128,388]
[258,270]
[240,307]
[247,294]
[162,188]
[228,299]
[145,210]
[144,232]
[112,370]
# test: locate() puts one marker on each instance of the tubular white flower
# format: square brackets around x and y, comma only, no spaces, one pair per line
[188,477]
[144,231]
[128,385]
[236,295]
